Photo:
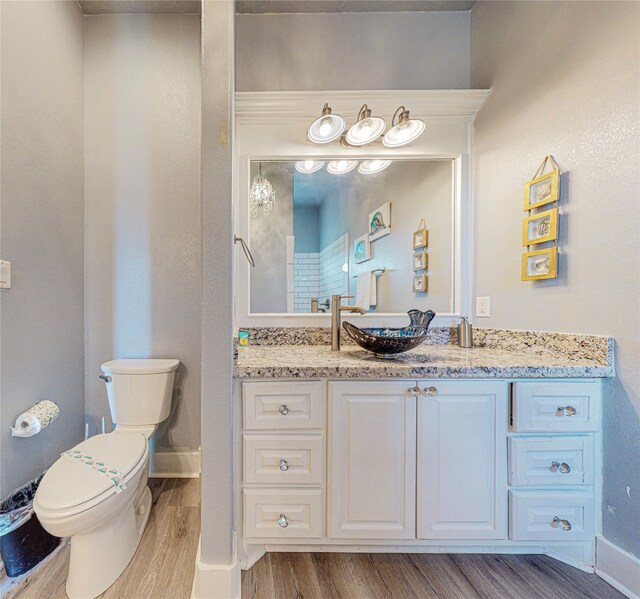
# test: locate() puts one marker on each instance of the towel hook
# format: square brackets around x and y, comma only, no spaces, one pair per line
[245,249]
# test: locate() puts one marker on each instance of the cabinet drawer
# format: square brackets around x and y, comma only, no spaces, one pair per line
[272,405]
[551,516]
[550,461]
[285,514]
[556,407]
[282,459]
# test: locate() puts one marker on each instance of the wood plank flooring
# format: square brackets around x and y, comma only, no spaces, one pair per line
[163,566]
[418,576]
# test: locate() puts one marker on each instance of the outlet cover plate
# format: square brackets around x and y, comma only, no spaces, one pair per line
[5,274]
[483,307]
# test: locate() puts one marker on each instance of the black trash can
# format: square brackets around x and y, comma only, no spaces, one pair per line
[23,541]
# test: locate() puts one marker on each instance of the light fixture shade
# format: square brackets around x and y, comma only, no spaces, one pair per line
[368,167]
[338,167]
[367,129]
[405,131]
[327,127]
[262,196]
[309,166]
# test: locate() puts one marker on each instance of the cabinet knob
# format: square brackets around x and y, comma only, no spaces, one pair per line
[431,391]
[564,468]
[284,409]
[414,391]
[559,522]
[284,465]
[283,521]
[566,411]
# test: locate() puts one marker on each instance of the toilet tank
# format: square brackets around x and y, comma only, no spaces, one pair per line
[139,390]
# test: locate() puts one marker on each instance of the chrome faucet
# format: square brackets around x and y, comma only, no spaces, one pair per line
[336,309]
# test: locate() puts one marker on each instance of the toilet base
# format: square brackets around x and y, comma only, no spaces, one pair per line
[101,555]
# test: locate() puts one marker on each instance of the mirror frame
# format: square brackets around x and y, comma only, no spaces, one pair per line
[262,117]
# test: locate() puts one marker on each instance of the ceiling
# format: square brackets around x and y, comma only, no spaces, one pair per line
[309,6]
[101,7]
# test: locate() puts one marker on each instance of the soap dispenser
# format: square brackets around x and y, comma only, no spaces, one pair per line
[465,333]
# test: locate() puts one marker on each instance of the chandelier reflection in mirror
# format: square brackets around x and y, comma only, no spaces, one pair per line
[262,196]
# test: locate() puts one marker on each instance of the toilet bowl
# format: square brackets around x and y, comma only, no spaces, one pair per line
[97,493]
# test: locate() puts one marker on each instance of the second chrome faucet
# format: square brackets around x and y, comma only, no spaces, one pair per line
[336,309]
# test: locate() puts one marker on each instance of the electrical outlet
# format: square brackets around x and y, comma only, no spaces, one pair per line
[483,307]
[5,274]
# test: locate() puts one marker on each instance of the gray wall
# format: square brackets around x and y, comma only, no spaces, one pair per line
[42,230]
[216,545]
[269,241]
[428,50]
[142,191]
[565,82]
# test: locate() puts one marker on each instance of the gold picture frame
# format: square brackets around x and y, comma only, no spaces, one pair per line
[542,190]
[420,283]
[420,238]
[421,260]
[540,227]
[540,264]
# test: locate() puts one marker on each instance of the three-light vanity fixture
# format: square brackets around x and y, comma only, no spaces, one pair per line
[329,127]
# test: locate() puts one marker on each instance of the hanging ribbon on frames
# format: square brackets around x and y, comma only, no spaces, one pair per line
[548,160]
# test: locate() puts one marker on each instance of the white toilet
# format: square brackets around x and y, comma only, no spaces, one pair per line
[97,493]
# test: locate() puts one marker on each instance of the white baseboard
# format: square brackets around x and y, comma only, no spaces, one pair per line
[212,581]
[175,463]
[617,567]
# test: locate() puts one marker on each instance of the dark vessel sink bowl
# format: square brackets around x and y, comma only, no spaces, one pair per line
[387,343]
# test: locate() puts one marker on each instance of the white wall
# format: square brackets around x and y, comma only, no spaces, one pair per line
[142,188]
[41,212]
[565,82]
[330,51]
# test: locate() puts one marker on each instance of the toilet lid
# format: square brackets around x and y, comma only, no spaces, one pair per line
[70,482]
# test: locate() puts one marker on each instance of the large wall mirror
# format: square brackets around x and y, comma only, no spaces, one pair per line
[352,233]
[306,244]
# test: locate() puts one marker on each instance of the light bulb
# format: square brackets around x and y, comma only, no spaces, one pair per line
[327,127]
[338,167]
[309,166]
[368,167]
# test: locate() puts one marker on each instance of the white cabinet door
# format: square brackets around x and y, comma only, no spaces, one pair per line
[462,448]
[372,477]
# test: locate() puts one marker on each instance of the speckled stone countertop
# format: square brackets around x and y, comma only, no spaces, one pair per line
[426,361]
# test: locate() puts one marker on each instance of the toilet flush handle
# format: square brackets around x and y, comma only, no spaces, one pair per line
[105,377]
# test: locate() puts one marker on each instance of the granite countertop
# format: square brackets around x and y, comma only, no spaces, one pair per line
[426,361]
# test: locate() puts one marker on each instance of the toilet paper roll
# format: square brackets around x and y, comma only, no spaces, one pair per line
[32,421]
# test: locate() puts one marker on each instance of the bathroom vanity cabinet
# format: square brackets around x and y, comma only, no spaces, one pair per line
[428,465]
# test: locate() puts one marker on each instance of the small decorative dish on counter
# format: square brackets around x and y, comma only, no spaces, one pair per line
[386,343]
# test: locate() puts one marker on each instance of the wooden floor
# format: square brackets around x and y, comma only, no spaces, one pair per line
[163,568]
[418,576]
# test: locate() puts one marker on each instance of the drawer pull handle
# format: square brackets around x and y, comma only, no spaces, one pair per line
[413,391]
[559,522]
[564,468]
[431,391]
[566,411]
[283,521]
[284,465]
[284,409]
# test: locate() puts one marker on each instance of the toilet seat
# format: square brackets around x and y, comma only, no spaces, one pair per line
[70,486]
